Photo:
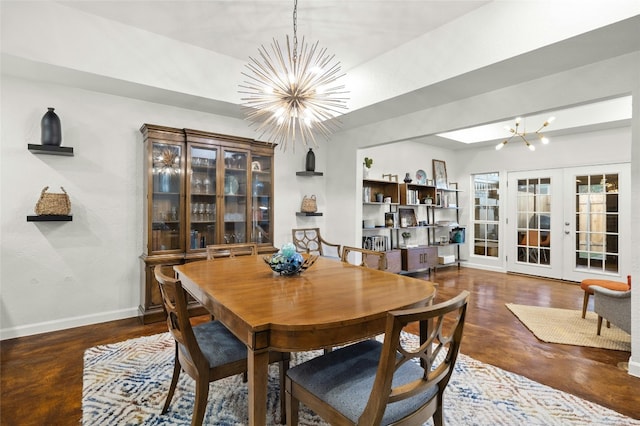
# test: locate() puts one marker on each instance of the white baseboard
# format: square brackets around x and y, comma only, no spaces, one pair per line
[65,323]
[634,367]
[470,264]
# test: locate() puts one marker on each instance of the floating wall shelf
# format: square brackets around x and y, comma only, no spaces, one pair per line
[50,218]
[309,173]
[308,214]
[51,149]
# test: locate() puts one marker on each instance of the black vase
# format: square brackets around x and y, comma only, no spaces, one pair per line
[407,178]
[51,129]
[310,164]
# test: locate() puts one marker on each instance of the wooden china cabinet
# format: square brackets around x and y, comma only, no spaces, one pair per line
[200,188]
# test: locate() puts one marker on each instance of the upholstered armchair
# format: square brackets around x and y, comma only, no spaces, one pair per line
[614,306]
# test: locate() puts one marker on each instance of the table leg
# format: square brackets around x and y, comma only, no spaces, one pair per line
[258,366]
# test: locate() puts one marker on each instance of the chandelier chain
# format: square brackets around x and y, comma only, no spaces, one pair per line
[295,31]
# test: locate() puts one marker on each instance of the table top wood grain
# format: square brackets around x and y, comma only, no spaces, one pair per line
[330,303]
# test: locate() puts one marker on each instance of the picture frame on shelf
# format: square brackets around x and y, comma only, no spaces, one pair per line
[440,174]
[407,218]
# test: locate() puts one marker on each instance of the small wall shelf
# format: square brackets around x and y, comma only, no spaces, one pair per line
[308,214]
[309,173]
[51,149]
[50,218]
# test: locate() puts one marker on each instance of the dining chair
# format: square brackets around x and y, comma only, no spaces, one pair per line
[231,250]
[207,352]
[533,239]
[364,257]
[309,240]
[373,383]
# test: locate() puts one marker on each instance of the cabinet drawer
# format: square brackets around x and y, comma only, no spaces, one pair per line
[416,258]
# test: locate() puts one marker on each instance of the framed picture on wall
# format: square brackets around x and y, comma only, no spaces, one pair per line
[440,174]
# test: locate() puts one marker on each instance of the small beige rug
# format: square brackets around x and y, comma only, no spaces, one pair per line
[567,326]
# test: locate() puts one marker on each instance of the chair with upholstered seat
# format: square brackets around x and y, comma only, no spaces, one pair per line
[614,306]
[206,352]
[231,250]
[364,257]
[537,244]
[587,285]
[309,240]
[372,383]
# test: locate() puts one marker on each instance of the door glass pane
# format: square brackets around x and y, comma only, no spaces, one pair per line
[534,219]
[235,197]
[486,208]
[597,222]
[202,204]
[261,226]
[165,215]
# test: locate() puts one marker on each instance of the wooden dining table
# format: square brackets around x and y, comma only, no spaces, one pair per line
[329,304]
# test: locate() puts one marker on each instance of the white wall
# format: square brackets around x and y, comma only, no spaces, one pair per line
[60,275]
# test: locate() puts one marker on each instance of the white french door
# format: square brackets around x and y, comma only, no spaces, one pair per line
[569,223]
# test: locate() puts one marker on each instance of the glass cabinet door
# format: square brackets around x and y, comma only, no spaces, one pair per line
[235,197]
[261,227]
[202,205]
[166,190]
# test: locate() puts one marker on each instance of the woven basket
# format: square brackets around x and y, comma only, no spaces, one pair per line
[309,204]
[52,203]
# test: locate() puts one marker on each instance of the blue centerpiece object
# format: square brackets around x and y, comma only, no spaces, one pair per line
[287,261]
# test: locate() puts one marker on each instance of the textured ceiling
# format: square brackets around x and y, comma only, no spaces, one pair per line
[236,28]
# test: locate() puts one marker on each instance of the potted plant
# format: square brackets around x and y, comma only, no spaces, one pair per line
[405,237]
[368,162]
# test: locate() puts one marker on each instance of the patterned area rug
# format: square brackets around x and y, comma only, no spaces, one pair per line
[126,384]
[567,326]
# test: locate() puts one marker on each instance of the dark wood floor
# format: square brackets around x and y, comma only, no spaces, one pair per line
[41,376]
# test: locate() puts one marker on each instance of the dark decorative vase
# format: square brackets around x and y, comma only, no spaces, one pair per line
[407,178]
[51,129]
[310,164]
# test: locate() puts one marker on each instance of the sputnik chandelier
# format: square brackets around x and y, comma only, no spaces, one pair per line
[523,135]
[293,94]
